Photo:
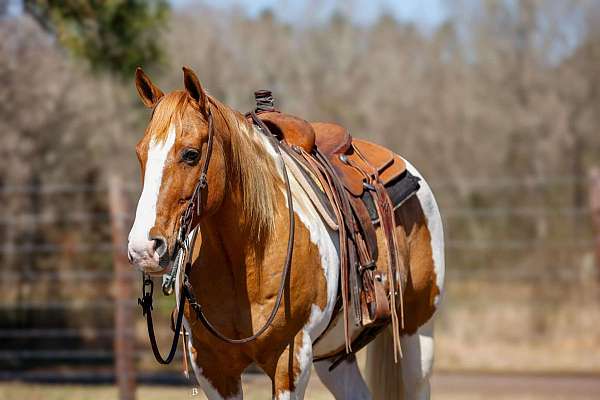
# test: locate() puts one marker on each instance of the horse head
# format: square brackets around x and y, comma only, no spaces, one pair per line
[172,154]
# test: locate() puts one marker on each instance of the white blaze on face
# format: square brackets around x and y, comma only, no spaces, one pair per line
[141,248]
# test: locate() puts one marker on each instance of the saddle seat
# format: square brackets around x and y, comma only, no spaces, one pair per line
[336,143]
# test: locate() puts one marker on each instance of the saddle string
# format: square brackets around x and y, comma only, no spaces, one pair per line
[384,207]
[330,189]
[347,236]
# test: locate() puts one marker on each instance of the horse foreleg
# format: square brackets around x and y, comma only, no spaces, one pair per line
[215,376]
[222,388]
[344,381]
[292,369]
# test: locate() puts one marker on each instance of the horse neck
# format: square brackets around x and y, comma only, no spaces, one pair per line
[229,234]
[225,238]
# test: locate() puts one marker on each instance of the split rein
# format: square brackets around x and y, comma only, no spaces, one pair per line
[183,251]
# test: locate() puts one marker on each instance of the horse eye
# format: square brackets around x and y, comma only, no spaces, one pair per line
[190,156]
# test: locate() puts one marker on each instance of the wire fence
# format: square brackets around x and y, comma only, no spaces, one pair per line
[45,283]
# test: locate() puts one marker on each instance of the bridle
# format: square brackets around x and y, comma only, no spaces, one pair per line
[184,245]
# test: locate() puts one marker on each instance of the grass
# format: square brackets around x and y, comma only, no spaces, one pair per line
[13,391]
[445,386]
[254,389]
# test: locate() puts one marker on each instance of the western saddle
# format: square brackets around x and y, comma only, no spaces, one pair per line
[364,183]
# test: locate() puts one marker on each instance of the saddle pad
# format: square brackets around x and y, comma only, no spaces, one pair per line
[399,190]
[311,187]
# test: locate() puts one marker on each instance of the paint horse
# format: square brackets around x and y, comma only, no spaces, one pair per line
[236,268]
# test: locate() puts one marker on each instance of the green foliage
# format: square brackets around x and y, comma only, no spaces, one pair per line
[113,35]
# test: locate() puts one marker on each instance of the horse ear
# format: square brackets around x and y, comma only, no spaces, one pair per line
[149,93]
[194,89]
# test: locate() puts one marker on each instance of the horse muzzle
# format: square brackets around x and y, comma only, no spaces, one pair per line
[149,256]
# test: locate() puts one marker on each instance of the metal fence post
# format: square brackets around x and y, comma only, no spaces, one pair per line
[124,342]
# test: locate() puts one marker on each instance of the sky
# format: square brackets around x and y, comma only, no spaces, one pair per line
[425,13]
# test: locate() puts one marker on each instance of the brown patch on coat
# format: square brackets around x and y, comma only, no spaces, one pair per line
[415,243]
[236,279]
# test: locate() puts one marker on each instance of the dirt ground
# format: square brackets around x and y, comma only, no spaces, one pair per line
[446,386]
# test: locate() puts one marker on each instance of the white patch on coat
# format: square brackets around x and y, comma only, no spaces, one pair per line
[285,395]
[325,239]
[435,227]
[304,355]
[140,246]
[327,242]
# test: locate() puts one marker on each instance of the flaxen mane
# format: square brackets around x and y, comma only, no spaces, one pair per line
[250,166]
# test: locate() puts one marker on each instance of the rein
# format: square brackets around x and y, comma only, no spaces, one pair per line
[182,255]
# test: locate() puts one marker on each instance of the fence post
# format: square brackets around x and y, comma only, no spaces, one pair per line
[594,198]
[124,342]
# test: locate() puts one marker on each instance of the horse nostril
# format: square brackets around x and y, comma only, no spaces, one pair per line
[160,245]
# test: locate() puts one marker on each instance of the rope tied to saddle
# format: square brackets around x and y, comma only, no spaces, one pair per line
[264,101]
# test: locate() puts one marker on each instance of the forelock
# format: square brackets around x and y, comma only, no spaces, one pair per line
[169,111]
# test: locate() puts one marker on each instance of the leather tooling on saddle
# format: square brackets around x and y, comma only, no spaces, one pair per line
[356,186]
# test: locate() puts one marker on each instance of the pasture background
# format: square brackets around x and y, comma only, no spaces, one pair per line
[496,102]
